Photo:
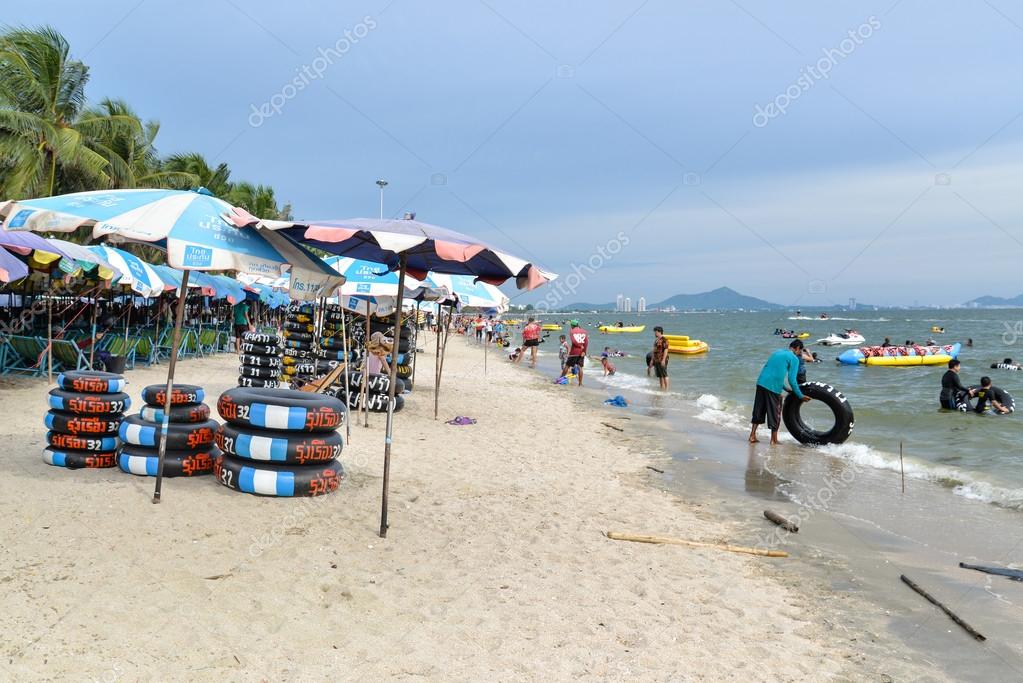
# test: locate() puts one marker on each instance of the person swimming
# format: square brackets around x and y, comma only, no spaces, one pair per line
[954,396]
[1006,364]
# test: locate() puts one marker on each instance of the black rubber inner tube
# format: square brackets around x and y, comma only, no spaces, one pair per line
[259,382]
[262,360]
[377,384]
[377,403]
[180,435]
[831,397]
[91,381]
[177,463]
[261,338]
[284,409]
[82,425]
[62,441]
[89,404]
[181,394]
[75,460]
[265,349]
[298,336]
[256,371]
[298,327]
[271,445]
[266,479]
[178,414]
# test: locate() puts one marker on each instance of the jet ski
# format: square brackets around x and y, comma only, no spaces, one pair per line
[847,338]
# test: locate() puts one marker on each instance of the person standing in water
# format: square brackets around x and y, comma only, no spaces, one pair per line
[578,342]
[658,359]
[530,340]
[782,366]
[954,396]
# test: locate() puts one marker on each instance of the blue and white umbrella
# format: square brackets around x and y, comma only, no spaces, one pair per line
[470,292]
[199,232]
[141,277]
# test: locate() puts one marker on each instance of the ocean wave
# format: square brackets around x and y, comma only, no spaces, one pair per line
[961,483]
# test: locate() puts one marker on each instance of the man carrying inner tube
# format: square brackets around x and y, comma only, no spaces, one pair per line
[781,366]
[954,396]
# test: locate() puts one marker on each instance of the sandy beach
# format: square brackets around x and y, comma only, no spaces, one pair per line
[495,566]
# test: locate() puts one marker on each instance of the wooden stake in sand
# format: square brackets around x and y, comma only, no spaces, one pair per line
[781,521]
[618,536]
[934,601]
[902,468]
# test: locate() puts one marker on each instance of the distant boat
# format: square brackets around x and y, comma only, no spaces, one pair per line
[614,328]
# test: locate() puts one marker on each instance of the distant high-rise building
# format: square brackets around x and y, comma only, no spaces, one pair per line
[641,305]
[620,303]
[852,304]
[627,305]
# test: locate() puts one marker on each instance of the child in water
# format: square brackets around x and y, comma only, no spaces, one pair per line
[605,360]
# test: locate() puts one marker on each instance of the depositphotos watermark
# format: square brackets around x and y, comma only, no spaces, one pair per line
[313,71]
[810,75]
[569,284]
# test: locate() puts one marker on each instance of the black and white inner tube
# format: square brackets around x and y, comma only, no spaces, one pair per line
[810,435]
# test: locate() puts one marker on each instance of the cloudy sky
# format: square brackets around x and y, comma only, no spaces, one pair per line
[803,155]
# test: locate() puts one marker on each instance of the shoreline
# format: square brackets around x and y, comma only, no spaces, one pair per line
[495,565]
[856,556]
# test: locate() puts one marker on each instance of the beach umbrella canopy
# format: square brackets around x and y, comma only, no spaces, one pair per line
[11,268]
[198,231]
[82,258]
[470,292]
[136,274]
[366,278]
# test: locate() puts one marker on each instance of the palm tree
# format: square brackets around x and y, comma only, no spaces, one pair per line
[132,158]
[215,179]
[45,137]
[258,200]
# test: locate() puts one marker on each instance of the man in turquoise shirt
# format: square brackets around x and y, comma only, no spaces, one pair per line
[781,366]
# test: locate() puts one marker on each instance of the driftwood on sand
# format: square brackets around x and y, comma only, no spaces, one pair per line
[638,538]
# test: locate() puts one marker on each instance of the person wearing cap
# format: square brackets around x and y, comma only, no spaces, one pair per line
[578,342]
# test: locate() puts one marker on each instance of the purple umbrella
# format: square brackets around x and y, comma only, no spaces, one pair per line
[11,268]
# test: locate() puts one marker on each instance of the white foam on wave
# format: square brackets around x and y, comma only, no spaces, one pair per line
[962,483]
[639,384]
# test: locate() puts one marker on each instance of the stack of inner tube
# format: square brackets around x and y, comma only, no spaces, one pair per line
[299,343]
[190,450]
[86,410]
[376,394]
[279,442]
[332,343]
[261,360]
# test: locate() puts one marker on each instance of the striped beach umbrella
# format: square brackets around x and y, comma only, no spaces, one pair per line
[136,274]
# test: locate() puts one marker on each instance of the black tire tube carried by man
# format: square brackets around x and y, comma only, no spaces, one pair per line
[261,338]
[89,404]
[306,480]
[283,409]
[64,441]
[181,395]
[136,431]
[82,425]
[271,445]
[76,460]
[143,462]
[264,349]
[832,398]
[90,381]
[262,360]
[256,371]
[258,382]
[178,414]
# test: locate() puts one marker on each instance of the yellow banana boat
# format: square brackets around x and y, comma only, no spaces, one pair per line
[612,329]
[550,328]
[683,345]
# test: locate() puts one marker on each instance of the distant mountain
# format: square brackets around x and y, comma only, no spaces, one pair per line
[721,298]
[996,302]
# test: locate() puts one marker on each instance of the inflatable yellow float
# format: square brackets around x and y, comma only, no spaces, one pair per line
[682,344]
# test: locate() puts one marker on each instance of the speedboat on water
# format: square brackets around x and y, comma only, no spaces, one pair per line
[847,338]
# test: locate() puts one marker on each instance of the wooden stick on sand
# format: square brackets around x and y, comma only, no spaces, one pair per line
[618,536]
[781,521]
[934,601]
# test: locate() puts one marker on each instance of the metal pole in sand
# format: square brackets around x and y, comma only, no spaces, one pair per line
[390,397]
[175,343]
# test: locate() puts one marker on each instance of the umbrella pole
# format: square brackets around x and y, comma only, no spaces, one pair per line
[175,343]
[390,396]
[348,368]
[127,318]
[365,370]
[155,351]
[92,346]
[415,340]
[440,364]
[436,363]
[49,336]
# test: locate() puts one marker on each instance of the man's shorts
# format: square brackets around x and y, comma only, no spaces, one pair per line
[660,370]
[239,330]
[531,342]
[574,361]
[767,404]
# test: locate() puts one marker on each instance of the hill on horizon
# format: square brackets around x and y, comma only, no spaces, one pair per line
[996,302]
[722,298]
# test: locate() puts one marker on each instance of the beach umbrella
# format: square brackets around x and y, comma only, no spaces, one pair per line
[411,247]
[11,268]
[470,291]
[136,274]
[198,231]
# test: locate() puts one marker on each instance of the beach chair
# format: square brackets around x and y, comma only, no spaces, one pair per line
[68,356]
[25,355]
[145,349]
[207,340]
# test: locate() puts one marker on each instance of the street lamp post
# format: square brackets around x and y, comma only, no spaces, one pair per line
[381,184]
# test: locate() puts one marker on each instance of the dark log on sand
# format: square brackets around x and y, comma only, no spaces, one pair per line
[781,521]
[934,601]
